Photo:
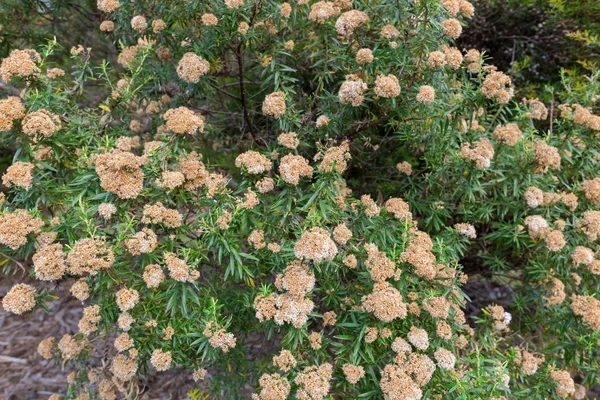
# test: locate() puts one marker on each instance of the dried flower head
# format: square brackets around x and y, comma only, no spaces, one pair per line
[254,162]
[353,373]
[385,303]
[120,173]
[19,174]
[19,299]
[288,140]
[159,214]
[452,28]
[15,226]
[153,275]
[108,6]
[351,91]
[80,290]
[349,21]
[285,360]
[497,86]
[387,86]
[127,299]
[107,210]
[273,387]
[49,263]
[315,244]
[89,256]
[293,167]
[161,360]
[45,347]
[20,63]
[274,105]
[139,23]
[191,67]
[314,382]
[182,121]
[364,56]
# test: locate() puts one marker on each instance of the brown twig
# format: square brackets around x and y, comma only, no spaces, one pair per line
[240,61]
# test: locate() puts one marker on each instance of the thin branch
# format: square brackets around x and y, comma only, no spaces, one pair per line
[240,61]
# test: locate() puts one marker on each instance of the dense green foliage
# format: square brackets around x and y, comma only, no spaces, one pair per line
[322,180]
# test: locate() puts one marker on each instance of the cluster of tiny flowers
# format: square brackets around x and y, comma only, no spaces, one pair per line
[285,360]
[120,173]
[352,90]
[209,19]
[45,347]
[501,318]
[159,214]
[583,116]
[218,337]
[179,270]
[142,242]
[291,306]
[19,299]
[387,86]
[21,63]
[353,373]
[418,254]
[288,140]
[497,86]
[536,109]
[182,120]
[315,244]
[49,263]
[293,167]
[15,226]
[529,362]
[335,158]
[191,67]
[467,230]
[322,121]
[481,153]
[40,124]
[321,11]
[11,109]
[161,360]
[386,303]
[254,162]
[108,6]
[452,28]
[127,299]
[19,174]
[139,23]
[364,56]
[588,308]
[273,387]
[349,21]
[546,157]
[70,347]
[565,386]
[89,320]
[153,275]
[314,382]
[426,94]
[274,105]
[107,210]
[80,290]
[508,134]
[89,256]
[591,190]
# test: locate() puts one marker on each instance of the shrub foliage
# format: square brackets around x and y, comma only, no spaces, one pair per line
[311,176]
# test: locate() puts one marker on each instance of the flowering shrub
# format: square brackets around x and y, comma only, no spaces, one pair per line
[201,205]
